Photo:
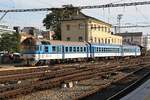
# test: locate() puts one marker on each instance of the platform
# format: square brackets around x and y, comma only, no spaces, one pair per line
[141,93]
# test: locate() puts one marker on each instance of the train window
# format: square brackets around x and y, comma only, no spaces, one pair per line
[74,49]
[70,49]
[101,49]
[66,49]
[106,49]
[53,49]
[97,49]
[41,48]
[81,48]
[58,49]
[37,47]
[46,49]
[84,49]
[78,49]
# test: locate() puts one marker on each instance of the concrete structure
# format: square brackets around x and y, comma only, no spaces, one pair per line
[141,93]
[31,30]
[27,32]
[5,29]
[146,41]
[48,35]
[85,28]
[132,38]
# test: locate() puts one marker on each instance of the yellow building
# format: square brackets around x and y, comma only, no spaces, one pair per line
[86,28]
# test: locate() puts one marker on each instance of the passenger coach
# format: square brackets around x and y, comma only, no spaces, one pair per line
[35,50]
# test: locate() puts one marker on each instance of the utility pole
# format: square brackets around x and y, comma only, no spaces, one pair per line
[119,17]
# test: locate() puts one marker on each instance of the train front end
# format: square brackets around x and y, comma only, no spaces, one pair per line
[29,51]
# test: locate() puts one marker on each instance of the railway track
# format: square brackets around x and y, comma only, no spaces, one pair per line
[39,79]
[44,83]
[134,85]
[120,87]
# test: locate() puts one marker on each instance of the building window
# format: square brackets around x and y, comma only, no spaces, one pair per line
[99,28]
[95,26]
[102,28]
[105,29]
[80,38]
[91,26]
[68,38]
[81,26]
[91,40]
[109,30]
[68,27]
[99,41]
[102,40]
[95,39]
[106,41]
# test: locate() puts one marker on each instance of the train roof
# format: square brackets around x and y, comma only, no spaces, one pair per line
[35,41]
[66,43]
[112,45]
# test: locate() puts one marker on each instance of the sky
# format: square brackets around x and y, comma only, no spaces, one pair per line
[135,15]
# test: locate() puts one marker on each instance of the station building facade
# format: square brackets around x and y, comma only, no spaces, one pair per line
[135,38]
[89,29]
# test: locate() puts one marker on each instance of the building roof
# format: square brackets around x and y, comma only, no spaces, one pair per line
[130,34]
[89,17]
[82,16]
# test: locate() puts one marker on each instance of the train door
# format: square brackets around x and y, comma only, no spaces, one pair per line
[92,51]
[122,51]
[63,53]
[87,50]
[137,50]
[39,53]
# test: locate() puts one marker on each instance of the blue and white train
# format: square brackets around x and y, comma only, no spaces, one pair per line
[35,50]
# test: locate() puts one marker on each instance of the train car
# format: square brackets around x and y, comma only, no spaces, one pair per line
[105,50]
[128,50]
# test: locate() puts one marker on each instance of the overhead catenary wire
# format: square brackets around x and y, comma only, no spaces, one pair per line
[80,7]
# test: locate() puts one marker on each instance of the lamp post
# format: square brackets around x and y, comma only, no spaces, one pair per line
[119,17]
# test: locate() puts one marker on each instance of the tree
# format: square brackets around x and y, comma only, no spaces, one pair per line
[10,42]
[53,20]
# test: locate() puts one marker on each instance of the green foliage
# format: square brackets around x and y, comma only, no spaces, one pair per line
[10,42]
[52,21]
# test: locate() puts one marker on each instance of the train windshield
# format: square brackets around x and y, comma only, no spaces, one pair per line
[29,45]
[29,49]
